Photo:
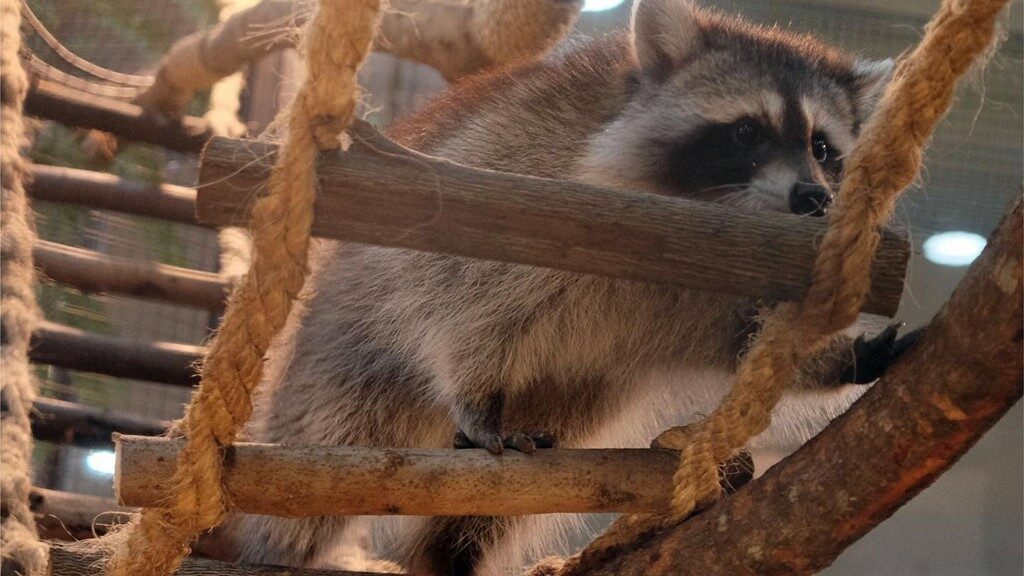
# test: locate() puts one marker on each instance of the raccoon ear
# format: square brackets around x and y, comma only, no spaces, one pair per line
[871,79]
[663,33]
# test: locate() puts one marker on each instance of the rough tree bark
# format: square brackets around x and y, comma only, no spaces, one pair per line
[933,405]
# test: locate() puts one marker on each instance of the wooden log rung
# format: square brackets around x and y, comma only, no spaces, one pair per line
[381,193]
[70,516]
[91,271]
[62,422]
[71,107]
[108,192]
[74,349]
[74,561]
[297,481]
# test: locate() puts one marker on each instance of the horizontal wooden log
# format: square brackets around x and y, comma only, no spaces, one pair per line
[932,405]
[108,192]
[295,481]
[381,193]
[71,107]
[66,347]
[90,271]
[70,516]
[76,561]
[63,422]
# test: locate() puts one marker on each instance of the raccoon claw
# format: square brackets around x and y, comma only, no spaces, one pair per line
[873,357]
[490,442]
[525,442]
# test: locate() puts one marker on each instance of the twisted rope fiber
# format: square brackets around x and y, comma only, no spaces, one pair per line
[19,541]
[886,159]
[339,38]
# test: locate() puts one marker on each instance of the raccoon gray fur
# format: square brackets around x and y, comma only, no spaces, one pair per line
[401,348]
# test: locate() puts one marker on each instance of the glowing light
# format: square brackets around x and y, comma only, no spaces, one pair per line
[953,248]
[601,5]
[101,461]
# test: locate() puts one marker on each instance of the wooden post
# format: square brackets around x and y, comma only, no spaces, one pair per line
[164,362]
[63,422]
[930,408]
[90,271]
[295,481]
[108,192]
[52,101]
[381,193]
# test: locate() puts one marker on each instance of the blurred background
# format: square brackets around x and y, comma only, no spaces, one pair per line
[968,524]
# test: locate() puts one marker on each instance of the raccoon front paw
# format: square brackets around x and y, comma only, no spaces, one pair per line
[872,357]
[525,442]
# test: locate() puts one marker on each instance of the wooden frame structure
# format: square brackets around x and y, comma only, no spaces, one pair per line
[674,241]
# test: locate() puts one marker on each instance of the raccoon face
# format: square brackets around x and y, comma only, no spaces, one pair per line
[726,111]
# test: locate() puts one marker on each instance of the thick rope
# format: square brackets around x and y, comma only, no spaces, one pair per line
[19,541]
[339,38]
[885,161]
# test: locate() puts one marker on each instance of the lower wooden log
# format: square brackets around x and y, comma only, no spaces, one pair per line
[108,192]
[71,516]
[930,408]
[73,561]
[90,271]
[62,422]
[67,347]
[294,481]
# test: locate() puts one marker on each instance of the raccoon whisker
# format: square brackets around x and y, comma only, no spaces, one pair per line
[733,186]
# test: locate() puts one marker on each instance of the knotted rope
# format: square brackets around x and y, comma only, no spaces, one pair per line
[886,160]
[338,40]
[19,541]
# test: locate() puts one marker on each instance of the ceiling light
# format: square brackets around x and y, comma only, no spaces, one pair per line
[954,248]
[101,461]
[601,5]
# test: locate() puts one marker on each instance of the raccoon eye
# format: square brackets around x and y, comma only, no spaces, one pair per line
[819,147]
[747,134]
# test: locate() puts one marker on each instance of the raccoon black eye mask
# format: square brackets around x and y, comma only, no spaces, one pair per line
[722,158]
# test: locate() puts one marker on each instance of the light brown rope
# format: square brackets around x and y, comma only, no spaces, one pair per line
[339,38]
[886,159]
[19,542]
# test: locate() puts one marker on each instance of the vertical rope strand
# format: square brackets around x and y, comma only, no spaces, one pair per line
[19,541]
[338,40]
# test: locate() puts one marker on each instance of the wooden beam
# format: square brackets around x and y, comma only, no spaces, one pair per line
[381,193]
[71,107]
[108,192]
[931,407]
[63,422]
[71,516]
[79,561]
[294,481]
[164,362]
[90,271]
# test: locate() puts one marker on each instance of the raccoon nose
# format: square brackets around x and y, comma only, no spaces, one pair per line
[808,199]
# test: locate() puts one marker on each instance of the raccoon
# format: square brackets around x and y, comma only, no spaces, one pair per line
[400,348]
